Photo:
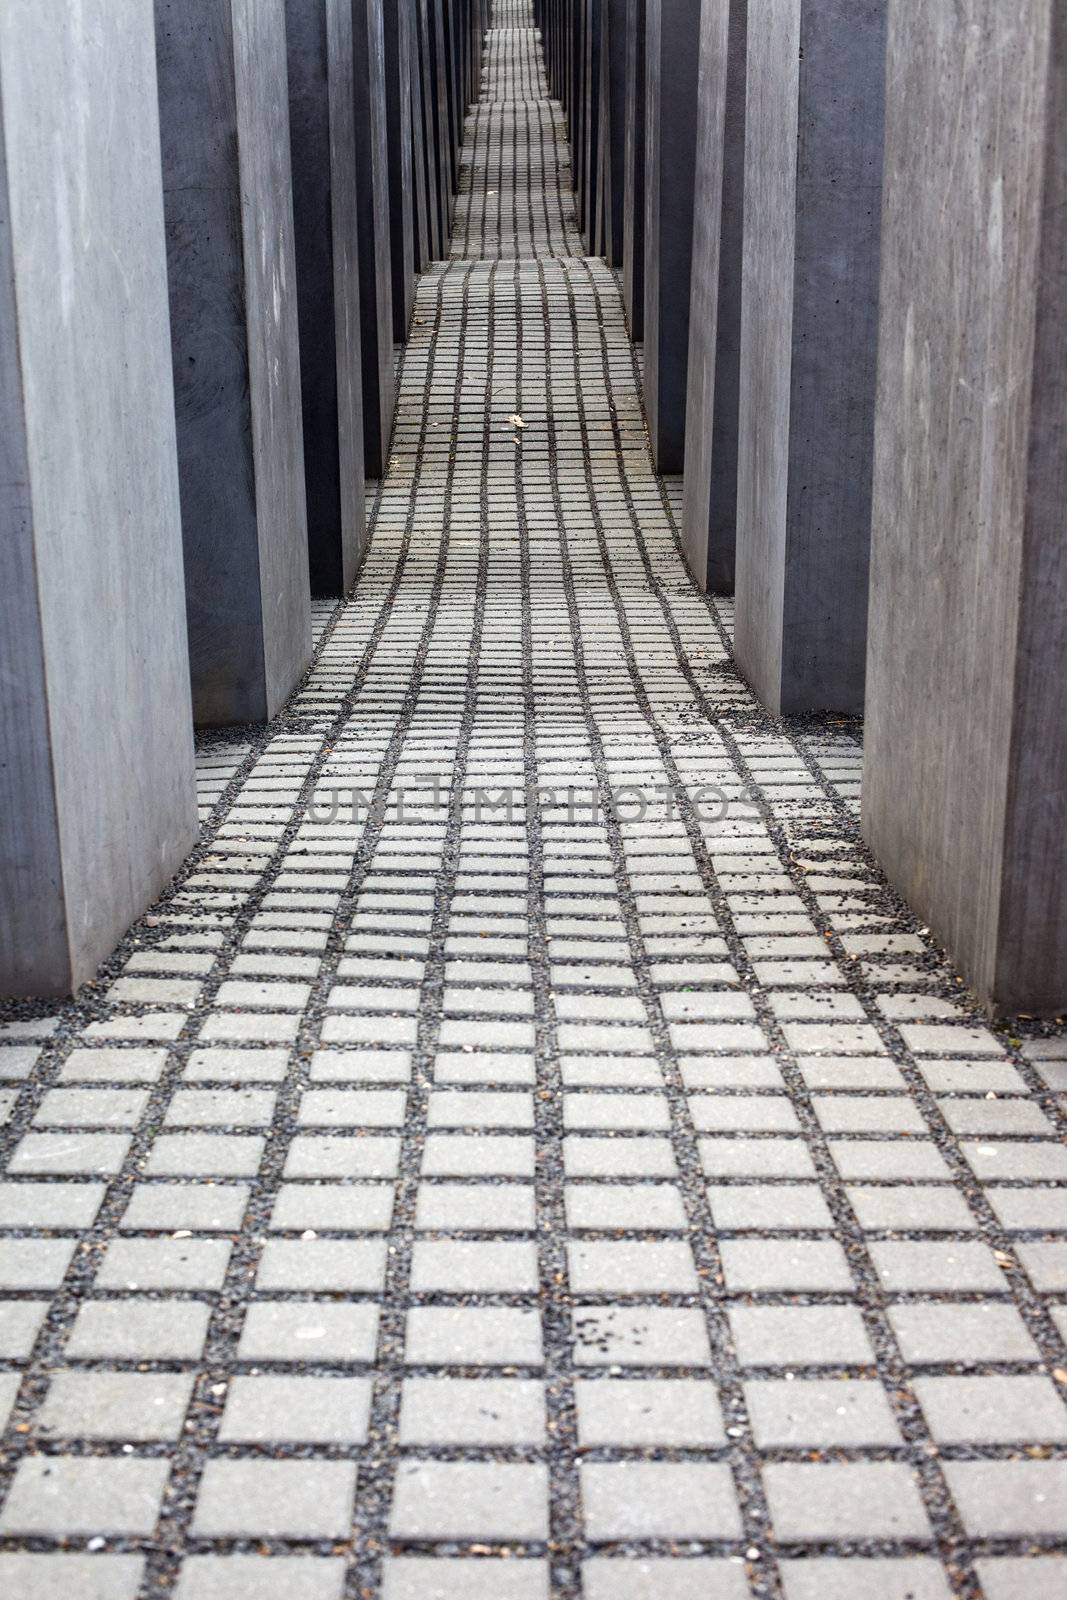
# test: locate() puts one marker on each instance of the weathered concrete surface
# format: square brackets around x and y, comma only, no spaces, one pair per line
[323,146]
[228,202]
[421,250]
[611,181]
[96,748]
[398,22]
[372,207]
[432,246]
[672,51]
[590,89]
[633,237]
[709,520]
[965,783]
[809,337]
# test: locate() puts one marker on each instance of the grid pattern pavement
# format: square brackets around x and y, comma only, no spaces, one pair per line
[529,1151]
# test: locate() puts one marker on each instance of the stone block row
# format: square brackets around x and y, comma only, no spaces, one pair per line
[851,311]
[198,339]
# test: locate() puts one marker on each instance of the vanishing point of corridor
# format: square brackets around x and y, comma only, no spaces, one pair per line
[529,1152]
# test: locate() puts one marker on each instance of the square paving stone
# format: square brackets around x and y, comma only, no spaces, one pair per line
[928,1208]
[296,1410]
[769,1207]
[932,1332]
[681,1578]
[640,1336]
[60,1496]
[221,1108]
[139,1330]
[644,1207]
[469,1500]
[734,1113]
[999,1410]
[61,1575]
[905,1265]
[9,1388]
[164,1264]
[275,1499]
[221,1065]
[204,1155]
[785,1265]
[834,1414]
[472,1411]
[259,1578]
[1045,1264]
[438,1578]
[468,1266]
[888,1161]
[862,1500]
[476,1207]
[309,1331]
[756,1158]
[20,1323]
[1009,1499]
[447,1155]
[333,1207]
[200,1207]
[637,1111]
[658,1500]
[115,1405]
[1023,1577]
[352,1265]
[853,1578]
[342,1156]
[34,1263]
[475,1336]
[49,1205]
[69,1153]
[91,1108]
[644,1157]
[801,1336]
[352,1108]
[636,1414]
[625,1266]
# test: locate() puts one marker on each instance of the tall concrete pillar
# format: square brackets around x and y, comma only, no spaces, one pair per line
[96,746]
[421,244]
[809,336]
[591,118]
[709,520]
[398,41]
[435,219]
[375,258]
[611,197]
[965,774]
[323,143]
[227,188]
[633,235]
[672,49]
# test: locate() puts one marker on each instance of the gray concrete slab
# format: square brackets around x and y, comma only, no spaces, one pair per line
[95,719]
[590,90]
[611,182]
[633,236]
[433,248]
[227,188]
[323,147]
[372,208]
[399,21]
[709,518]
[965,785]
[421,250]
[809,331]
[672,51]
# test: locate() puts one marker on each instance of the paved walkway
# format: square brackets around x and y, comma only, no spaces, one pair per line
[461,1164]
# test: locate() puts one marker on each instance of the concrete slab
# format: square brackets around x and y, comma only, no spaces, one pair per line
[590,90]
[95,719]
[965,781]
[398,22]
[611,182]
[809,332]
[227,188]
[709,519]
[633,236]
[323,147]
[372,209]
[672,51]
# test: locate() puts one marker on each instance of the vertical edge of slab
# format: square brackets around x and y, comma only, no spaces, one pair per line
[100,804]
